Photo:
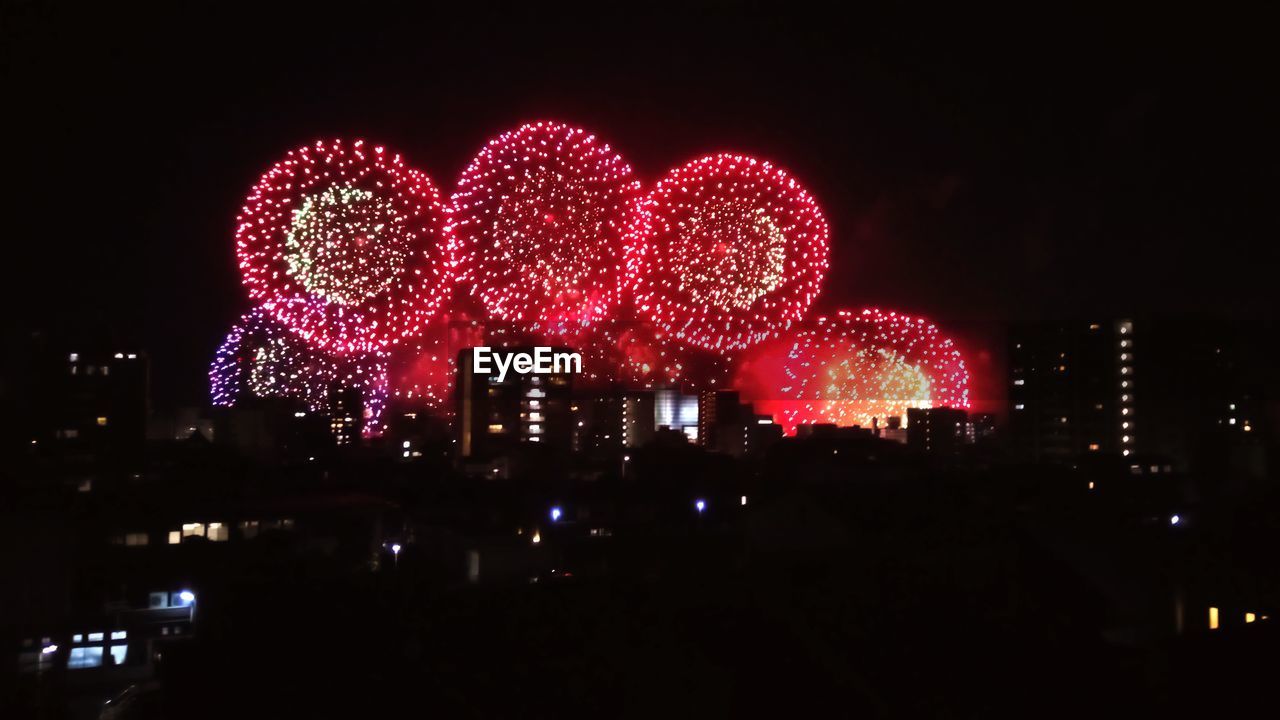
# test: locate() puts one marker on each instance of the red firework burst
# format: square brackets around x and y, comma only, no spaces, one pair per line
[853,367]
[539,227]
[343,243]
[730,251]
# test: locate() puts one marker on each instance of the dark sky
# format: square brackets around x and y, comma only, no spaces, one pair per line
[974,169]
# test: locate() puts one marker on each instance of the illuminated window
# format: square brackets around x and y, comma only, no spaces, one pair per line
[102,421]
[1213,618]
[119,653]
[1093,446]
[175,537]
[192,530]
[219,532]
[495,428]
[136,539]
[85,657]
[1250,617]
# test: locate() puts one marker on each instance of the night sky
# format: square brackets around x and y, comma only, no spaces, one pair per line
[976,170]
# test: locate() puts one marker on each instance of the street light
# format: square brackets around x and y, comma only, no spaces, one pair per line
[555,513]
[700,504]
[395,554]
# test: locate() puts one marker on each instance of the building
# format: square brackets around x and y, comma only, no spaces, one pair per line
[346,415]
[1166,390]
[937,431]
[730,426]
[612,420]
[1073,389]
[676,410]
[90,405]
[497,417]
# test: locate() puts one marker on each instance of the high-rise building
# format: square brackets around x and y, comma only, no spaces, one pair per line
[676,410]
[612,420]
[938,431]
[346,415]
[1073,389]
[1157,388]
[496,417]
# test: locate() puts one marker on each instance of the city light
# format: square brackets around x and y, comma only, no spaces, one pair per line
[700,504]
[187,597]
[555,514]
[1174,519]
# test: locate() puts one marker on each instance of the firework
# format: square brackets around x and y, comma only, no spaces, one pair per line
[343,243]
[540,228]
[261,358]
[729,252]
[853,367]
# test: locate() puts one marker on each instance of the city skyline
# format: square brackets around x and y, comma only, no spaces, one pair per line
[1098,198]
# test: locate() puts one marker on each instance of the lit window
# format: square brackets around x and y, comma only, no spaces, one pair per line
[102,421]
[1093,446]
[219,532]
[495,428]
[1019,381]
[1213,618]
[86,657]
[175,537]
[119,653]
[96,637]
[1250,617]
[192,530]
[136,539]
[119,634]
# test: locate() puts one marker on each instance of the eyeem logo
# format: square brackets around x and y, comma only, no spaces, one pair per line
[542,361]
